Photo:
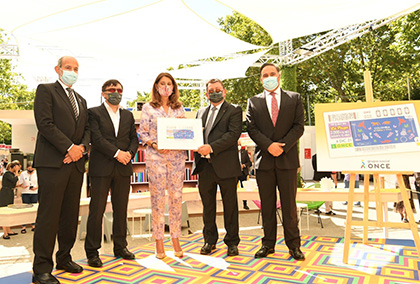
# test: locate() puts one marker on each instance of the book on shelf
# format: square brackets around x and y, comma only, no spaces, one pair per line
[189,176]
[139,157]
[138,177]
[190,155]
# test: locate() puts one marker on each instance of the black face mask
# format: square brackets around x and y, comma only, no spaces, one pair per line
[216,97]
[114,98]
[29,171]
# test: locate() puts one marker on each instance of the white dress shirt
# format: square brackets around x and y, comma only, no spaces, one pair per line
[115,118]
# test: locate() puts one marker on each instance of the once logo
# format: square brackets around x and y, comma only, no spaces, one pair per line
[380,166]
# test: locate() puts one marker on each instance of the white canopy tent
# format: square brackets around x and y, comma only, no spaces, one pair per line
[134,40]
[285,19]
[219,69]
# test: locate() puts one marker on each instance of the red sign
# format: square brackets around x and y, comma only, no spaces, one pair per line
[308,153]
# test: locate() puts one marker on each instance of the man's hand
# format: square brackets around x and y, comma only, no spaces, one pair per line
[242,166]
[76,152]
[123,157]
[276,149]
[67,159]
[204,150]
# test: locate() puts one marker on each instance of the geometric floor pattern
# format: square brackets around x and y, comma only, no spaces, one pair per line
[381,261]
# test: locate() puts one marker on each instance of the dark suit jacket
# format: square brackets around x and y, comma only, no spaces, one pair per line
[289,128]
[246,161]
[223,139]
[105,144]
[57,126]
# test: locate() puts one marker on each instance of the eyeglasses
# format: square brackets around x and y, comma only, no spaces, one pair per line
[211,91]
[113,90]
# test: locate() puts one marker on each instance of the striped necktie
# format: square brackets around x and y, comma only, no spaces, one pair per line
[73,102]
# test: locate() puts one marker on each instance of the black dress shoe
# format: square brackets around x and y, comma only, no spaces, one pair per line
[125,253]
[264,251]
[44,278]
[70,266]
[297,254]
[207,248]
[95,261]
[232,250]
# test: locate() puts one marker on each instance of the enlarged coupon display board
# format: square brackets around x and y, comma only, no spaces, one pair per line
[368,136]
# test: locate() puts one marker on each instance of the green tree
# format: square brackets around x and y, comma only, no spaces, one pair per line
[141,97]
[389,53]
[243,28]
[13,96]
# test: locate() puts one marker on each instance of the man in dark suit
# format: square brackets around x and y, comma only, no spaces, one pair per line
[113,143]
[246,163]
[217,163]
[63,135]
[275,120]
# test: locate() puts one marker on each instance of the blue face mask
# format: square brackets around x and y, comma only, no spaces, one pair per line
[69,77]
[270,83]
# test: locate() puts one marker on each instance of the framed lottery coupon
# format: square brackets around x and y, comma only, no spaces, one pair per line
[179,133]
[368,136]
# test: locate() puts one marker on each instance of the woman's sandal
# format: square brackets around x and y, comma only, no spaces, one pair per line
[160,247]
[176,245]
[23,231]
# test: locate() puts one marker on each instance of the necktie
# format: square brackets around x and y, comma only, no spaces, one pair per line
[209,125]
[274,108]
[73,102]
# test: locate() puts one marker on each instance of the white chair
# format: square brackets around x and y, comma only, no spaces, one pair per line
[184,214]
[107,225]
[147,214]
[300,208]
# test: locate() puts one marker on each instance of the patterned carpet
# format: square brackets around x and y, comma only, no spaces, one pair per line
[382,261]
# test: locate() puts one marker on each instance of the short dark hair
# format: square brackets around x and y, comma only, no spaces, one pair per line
[212,81]
[111,82]
[269,64]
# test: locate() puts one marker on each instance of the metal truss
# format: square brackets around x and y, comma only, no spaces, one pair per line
[324,43]
[184,84]
[8,51]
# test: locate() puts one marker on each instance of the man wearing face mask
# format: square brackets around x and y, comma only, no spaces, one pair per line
[63,135]
[217,164]
[275,120]
[113,144]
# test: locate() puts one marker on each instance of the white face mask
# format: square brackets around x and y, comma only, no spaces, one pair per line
[69,77]
[270,83]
